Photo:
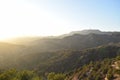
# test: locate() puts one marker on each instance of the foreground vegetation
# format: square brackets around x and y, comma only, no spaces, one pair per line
[108,69]
[29,75]
[98,70]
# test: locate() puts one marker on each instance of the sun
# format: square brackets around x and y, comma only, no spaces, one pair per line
[6,36]
[20,26]
[27,19]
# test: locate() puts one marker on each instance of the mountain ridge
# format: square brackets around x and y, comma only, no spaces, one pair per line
[81,32]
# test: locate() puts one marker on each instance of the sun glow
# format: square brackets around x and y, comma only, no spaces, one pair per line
[19,18]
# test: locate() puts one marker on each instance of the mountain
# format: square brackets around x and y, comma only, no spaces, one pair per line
[42,52]
[86,32]
[24,40]
[75,55]
[75,42]
[91,31]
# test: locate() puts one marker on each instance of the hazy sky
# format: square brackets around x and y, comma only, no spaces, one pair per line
[54,17]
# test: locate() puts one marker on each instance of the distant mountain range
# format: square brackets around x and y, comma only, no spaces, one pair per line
[83,32]
[75,41]
[86,32]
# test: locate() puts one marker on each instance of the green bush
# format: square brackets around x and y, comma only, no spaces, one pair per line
[53,76]
[19,75]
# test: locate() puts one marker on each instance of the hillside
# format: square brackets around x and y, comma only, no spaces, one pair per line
[107,69]
[8,53]
[60,55]
[104,68]
[76,40]
[63,61]
[70,60]
[45,49]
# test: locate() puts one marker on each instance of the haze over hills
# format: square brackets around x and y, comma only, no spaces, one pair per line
[59,39]
[83,32]
[75,40]
[85,39]
[9,48]
[86,32]
[60,54]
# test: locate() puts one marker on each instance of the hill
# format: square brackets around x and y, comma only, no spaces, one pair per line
[70,60]
[93,55]
[107,69]
[75,42]
[45,46]
[101,63]
[63,61]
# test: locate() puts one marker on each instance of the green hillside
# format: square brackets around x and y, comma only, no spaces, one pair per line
[107,69]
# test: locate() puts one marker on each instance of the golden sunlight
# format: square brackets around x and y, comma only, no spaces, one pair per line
[26,19]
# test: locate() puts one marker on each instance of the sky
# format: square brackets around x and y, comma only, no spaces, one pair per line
[55,17]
